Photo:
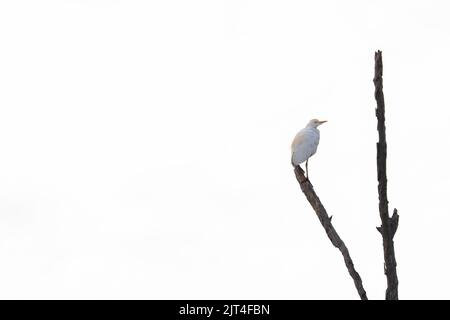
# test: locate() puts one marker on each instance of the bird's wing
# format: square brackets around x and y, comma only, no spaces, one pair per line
[299,138]
[303,146]
[297,148]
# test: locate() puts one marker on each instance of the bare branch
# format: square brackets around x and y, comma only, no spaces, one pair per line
[389,224]
[325,220]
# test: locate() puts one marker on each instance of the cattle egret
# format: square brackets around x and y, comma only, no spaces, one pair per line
[305,143]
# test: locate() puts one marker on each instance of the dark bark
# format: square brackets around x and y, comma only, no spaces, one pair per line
[388,224]
[325,220]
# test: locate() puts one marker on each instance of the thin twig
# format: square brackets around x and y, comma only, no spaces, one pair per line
[325,220]
[389,224]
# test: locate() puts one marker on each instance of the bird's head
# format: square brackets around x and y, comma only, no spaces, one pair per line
[314,123]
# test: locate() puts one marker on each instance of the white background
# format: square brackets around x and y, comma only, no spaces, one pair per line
[145,147]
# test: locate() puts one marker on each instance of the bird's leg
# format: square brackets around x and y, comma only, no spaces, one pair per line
[307,169]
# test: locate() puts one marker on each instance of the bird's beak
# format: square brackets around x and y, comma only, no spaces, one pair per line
[321,122]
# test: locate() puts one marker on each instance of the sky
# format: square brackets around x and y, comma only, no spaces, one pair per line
[145,147]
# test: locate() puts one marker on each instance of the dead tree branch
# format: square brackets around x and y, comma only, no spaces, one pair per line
[389,224]
[325,220]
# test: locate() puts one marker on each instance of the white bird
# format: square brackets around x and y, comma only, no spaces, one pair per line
[305,143]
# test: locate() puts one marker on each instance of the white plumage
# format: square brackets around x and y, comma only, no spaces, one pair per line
[305,143]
